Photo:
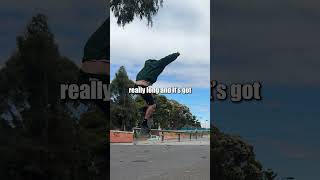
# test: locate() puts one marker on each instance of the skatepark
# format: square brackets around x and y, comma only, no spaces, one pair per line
[161,160]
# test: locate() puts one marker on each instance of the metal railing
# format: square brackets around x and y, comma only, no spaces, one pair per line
[192,133]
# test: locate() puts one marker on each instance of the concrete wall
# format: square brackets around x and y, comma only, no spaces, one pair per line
[170,136]
[121,137]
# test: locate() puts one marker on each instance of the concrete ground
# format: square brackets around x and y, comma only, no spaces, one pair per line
[160,162]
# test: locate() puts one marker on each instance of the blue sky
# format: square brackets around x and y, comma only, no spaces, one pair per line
[276,43]
[180,26]
[283,128]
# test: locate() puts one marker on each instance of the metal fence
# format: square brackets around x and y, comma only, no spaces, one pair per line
[192,134]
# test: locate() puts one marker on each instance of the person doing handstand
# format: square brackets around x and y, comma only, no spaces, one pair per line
[147,76]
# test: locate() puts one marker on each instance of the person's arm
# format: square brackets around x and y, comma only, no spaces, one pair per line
[168,59]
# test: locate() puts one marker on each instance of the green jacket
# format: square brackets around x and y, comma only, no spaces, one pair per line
[153,68]
[98,45]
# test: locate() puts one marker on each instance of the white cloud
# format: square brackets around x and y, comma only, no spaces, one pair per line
[180,26]
[194,76]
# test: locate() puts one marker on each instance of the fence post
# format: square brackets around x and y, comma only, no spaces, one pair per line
[162,137]
[134,137]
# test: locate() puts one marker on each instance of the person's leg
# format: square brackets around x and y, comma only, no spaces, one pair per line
[151,106]
[151,109]
[146,124]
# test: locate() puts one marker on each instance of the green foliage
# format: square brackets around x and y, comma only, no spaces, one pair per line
[269,175]
[125,11]
[119,86]
[126,108]
[94,141]
[171,114]
[47,143]
[235,159]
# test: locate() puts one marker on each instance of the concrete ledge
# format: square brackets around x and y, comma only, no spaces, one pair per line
[170,136]
[121,136]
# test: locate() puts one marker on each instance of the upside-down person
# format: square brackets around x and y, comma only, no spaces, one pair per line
[146,77]
[96,60]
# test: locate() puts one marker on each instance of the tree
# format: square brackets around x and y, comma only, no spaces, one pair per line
[234,159]
[46,142]
[171,114]
[125,11]
[127,109]
[93,145]
[124,110]
[162,114]
[269,175]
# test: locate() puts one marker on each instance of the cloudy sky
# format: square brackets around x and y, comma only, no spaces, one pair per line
[186,29]
[180,26]
[72,22]
[277,43]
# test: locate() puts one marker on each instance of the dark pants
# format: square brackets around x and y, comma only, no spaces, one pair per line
[148,97]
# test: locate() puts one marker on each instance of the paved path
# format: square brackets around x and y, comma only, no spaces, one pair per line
[161,162]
